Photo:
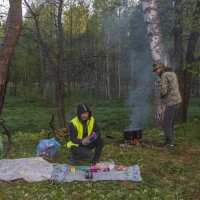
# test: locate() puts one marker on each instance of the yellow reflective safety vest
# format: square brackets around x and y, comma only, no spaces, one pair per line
[79,127]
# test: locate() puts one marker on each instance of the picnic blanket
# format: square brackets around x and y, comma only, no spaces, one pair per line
[29,169]
[37,169]
[61,173]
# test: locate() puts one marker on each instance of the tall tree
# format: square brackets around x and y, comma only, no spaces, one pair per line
[157,46]
[13,29]
[192,42]
[53,51]
[184,74]
[60,68]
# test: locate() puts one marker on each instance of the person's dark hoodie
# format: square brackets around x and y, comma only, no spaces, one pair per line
[72,129]
[81,109]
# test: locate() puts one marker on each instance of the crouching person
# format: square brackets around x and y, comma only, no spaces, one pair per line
[84,136]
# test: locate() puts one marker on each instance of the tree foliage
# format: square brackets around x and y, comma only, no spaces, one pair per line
[104,46]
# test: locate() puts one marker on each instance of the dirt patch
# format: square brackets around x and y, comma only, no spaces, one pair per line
[127,185]
[5,185]
[190,152]
[197,196]
[146,170]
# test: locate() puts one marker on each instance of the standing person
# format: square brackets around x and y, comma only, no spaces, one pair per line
[170,97]
[84,136]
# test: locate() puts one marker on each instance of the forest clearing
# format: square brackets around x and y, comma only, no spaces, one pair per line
[115,84]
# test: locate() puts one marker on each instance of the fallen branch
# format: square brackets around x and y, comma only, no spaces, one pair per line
[58,133]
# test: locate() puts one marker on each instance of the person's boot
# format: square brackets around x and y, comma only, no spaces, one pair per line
[166,145]
[75,161]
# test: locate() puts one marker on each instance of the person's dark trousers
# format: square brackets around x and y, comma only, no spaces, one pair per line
[84,151]
[168,122]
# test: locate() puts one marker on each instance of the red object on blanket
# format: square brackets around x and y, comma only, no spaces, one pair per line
[121,167]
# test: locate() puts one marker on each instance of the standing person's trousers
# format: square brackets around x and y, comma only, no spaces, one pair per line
[168,122]
[84,151]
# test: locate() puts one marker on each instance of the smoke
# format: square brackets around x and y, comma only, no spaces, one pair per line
[141,91]
[128,34]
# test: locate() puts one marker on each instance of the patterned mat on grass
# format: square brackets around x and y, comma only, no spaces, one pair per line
[37,169]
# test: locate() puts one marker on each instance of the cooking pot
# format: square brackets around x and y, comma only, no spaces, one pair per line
[135,133]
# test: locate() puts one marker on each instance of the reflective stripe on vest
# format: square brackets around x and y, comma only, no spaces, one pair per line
[79,128]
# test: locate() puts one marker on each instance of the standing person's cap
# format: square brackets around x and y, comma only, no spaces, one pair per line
[158,65]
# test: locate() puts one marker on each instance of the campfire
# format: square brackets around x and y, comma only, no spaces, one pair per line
[132,137]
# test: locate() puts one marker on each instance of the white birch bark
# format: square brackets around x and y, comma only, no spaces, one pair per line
[107,65]
[154,32]
[119,55]
[157,47]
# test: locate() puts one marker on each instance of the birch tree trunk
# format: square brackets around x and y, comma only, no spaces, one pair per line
[157,47]
[107,64]
[119,56]
[14,24]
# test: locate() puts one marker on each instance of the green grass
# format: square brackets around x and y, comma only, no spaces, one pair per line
[168,174]
[34,116]
[194,109]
